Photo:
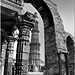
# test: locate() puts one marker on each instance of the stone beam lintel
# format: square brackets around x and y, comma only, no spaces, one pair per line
[11,6]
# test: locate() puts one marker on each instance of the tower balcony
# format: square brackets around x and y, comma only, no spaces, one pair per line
[15,5]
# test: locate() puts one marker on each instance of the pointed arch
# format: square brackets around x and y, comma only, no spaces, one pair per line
[49,32]
[70,48]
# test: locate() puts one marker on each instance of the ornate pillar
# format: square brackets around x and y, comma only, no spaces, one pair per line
[9,55]
[22,56]
[4,47]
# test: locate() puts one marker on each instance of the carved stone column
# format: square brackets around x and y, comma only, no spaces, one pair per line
[9,55]
[27,21]
[22,55]
[4,47]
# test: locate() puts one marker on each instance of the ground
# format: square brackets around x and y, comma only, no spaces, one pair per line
[35,73]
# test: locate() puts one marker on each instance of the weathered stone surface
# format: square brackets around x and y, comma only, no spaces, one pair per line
[60,35]
[55,37]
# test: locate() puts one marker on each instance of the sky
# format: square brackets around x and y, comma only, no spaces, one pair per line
[66,11]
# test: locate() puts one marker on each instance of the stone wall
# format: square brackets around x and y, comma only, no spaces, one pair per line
[70,45]
[59,36]
[50,49]
[52,45]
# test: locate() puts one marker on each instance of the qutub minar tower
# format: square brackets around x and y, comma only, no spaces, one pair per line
[34,56]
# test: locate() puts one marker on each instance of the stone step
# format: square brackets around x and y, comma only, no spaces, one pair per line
[35,73]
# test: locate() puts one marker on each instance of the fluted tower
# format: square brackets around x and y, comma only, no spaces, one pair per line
[34,57]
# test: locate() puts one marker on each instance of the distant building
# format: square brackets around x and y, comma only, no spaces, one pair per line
[34,55]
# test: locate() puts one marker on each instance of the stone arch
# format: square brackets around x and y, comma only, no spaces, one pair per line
[49,31]
[68,35]
[70,48]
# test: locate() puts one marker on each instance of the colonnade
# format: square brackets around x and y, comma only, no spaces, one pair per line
[26,23]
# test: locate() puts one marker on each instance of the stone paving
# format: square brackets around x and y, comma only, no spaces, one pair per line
[35,73]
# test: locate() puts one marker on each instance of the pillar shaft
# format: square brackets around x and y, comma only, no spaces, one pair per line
[22,55]
[66,63]
[63,64]
[4,47]
[9,55]
[59,63]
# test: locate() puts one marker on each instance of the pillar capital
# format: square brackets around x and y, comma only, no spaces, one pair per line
[26,23]
[30,17]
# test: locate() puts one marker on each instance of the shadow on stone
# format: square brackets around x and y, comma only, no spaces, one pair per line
[48,72]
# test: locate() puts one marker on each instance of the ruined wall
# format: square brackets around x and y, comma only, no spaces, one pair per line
[60,36]
[59,39]
[58,24]
[70,44]
[51,56]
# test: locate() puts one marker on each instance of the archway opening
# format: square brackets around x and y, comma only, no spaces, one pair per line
[70,48]
[49,37]
[49,34]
